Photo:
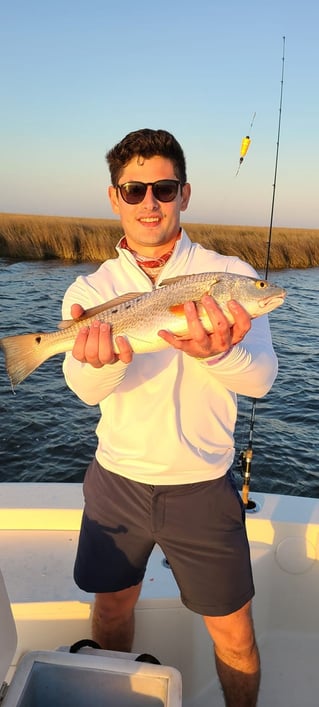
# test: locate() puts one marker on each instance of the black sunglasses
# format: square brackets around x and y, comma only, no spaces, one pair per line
[163,190]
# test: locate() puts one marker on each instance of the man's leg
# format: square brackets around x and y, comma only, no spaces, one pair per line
[236,655]
[113,619]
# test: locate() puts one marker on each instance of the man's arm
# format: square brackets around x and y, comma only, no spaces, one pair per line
[240,356]
[89,369]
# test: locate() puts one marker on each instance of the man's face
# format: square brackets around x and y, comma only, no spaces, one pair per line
[152,224]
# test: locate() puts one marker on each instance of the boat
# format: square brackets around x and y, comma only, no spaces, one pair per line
[39,525]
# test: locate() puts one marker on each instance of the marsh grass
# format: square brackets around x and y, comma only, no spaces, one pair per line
[24,237]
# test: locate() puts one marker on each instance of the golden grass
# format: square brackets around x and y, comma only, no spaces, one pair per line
[26,237]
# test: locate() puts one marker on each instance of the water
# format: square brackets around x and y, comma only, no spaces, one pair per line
[47,434]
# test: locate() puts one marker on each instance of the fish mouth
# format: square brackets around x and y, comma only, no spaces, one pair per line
[272,302]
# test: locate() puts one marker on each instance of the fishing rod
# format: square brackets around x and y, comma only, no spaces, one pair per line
[246,455]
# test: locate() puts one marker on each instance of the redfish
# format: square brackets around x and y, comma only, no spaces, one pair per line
[139,317]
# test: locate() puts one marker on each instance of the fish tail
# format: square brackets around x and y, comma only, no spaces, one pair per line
[23,354]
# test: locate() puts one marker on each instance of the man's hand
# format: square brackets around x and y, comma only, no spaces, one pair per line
[94,344]
[203,345]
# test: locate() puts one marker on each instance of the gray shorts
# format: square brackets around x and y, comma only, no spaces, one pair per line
[200,528]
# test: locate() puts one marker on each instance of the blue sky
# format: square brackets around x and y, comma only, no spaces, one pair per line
[78,76]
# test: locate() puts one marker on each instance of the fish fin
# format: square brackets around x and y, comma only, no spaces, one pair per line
[177,310]
[172,280]
[66,323]
[94,311]
[23,354]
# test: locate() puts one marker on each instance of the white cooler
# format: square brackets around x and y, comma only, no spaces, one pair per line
[51,678]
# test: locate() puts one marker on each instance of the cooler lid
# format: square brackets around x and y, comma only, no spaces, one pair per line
[8,633]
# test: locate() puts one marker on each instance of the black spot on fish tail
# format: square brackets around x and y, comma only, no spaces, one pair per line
[38,339]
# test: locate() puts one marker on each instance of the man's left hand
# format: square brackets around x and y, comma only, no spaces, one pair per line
[201,344]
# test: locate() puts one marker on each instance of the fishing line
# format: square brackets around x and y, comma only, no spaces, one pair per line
[252,121]
[246,455]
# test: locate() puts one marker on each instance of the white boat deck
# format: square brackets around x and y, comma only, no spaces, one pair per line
[38,536]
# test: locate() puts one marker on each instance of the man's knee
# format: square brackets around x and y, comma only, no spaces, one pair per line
[113,619]
[233,633]
[111,605]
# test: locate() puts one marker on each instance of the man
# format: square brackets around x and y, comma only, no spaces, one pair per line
[165,436]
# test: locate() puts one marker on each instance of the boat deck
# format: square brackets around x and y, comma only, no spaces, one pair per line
[38,537]
[289,669]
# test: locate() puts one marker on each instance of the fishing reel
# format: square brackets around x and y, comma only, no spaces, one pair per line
[244,463]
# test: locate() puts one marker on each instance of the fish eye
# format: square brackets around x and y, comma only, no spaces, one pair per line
[260,284]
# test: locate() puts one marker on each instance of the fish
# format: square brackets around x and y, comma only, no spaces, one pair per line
[139,316]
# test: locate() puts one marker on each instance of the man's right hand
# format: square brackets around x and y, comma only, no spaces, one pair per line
[94,344]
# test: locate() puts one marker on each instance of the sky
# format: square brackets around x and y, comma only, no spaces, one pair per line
[78,76]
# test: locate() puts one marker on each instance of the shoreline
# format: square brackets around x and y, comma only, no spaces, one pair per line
[28,237]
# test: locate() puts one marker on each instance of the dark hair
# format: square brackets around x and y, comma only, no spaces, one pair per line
[146,143]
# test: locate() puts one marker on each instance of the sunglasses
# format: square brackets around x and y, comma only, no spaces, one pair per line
[163,190]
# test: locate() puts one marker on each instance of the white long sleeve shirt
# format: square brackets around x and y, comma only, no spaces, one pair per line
[166,417]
